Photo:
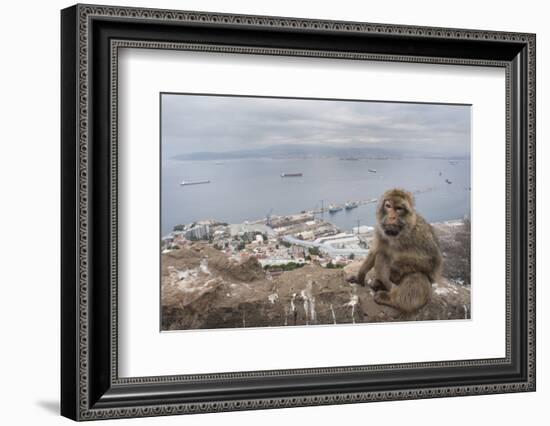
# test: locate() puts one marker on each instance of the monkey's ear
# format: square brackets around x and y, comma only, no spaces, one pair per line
[410,198]
[380,206]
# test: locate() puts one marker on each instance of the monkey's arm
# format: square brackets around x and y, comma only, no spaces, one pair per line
[367,265]
[426,263]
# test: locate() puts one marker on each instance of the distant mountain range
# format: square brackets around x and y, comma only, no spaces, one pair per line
[311,151]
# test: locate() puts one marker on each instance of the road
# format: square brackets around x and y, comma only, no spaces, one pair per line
[331,251]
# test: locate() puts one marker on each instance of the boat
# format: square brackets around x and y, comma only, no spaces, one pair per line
[372,170]
[193,182]
[219,163]
[350,205]
[291,174]
[333,209]
[448,181]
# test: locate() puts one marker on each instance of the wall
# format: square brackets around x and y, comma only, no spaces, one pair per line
[29,172]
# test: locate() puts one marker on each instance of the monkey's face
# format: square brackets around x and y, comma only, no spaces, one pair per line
[395,216]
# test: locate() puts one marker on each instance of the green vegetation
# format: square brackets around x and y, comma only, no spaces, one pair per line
[290,266]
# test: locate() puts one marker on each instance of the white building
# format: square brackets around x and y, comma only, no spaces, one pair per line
[199,232]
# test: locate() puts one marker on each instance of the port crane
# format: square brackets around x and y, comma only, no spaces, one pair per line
[268,217]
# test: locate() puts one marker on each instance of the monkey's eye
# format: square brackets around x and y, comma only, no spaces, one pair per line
[399,209]
[387,205]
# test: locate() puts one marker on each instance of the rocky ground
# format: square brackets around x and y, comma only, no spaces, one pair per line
[202,289]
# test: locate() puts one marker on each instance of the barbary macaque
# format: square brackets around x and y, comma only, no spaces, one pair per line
[405,255]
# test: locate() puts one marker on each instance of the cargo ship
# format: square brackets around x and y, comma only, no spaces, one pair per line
[351,205]
[291,174]
[193,182]
[333,208]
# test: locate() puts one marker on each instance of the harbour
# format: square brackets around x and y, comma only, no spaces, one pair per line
[244,190]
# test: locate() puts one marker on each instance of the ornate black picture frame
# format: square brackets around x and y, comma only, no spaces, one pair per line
[91,387]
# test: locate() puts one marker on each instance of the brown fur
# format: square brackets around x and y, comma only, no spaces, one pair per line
[405,256]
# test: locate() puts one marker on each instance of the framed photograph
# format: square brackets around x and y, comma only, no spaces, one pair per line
[277,211]
[263,212]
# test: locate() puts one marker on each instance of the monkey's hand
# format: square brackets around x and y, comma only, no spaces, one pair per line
[377,285]
[360,278]
[351,279]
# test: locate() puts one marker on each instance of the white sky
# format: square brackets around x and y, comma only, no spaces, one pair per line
[194,123]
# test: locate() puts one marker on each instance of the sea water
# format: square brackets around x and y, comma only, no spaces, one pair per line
[251,189]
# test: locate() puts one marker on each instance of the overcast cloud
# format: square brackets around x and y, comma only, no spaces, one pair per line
[192,123]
